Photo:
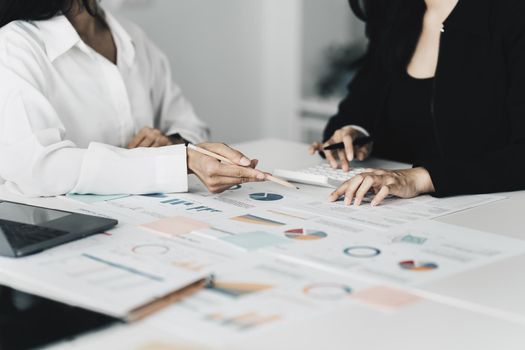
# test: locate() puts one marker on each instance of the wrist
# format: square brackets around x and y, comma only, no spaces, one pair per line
[423,180]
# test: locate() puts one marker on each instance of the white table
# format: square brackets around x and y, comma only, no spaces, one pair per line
[493,318]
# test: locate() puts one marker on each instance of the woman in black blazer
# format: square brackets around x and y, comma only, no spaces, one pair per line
[442,87]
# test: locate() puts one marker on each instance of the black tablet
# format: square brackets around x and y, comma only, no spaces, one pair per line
[28,321]
[26,229]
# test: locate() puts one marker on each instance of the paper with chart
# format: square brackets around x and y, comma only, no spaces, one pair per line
[259,293]
[410,254]
[110,278]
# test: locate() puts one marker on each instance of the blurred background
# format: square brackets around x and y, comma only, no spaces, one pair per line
[255,68]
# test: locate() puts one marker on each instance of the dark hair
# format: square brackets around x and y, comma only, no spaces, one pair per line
[34,10]
[392,26]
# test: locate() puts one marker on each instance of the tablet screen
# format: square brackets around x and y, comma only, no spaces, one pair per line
[27,214]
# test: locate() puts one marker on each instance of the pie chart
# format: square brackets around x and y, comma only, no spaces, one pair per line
[266,197]
[150,249]
[305,235]
[412,265]
[362,252]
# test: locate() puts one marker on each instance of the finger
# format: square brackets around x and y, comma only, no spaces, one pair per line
[354,185]
[148,141]
[361,154]
[138,138]
[343,160]
[331,159]
[229,153]
[315,147]
[349,148]
[136,141]
[363,190]
[339,192]
[381,195]
[235,171]
[221,184]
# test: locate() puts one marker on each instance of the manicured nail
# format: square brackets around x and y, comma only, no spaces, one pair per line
[245,161]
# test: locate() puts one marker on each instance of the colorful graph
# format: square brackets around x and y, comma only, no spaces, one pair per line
[362,252]
[190,206]
[237,290]
[412,265]
[150,249]
[305,235]
[327,291]
[266,197]
[257,220]
[412,239]
[243,321]
[155,195]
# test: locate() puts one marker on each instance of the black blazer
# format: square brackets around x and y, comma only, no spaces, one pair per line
[478,98]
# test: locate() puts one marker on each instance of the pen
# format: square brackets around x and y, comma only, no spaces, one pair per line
[269,177]
[361,141]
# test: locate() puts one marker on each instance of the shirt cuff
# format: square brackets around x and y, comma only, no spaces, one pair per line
[361,130]
[110,170]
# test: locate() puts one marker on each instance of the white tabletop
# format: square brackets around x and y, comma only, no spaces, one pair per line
[480,309]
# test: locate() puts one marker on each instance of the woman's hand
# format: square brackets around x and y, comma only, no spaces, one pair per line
[219,177]
[149,137]
[347,135]
[407,183]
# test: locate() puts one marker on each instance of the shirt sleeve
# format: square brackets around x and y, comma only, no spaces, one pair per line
[174,113]
[36,159]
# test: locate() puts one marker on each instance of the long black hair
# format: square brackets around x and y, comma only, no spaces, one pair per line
[34,10]
[392,26]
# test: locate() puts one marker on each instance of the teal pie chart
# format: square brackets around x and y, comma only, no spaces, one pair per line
[266,197]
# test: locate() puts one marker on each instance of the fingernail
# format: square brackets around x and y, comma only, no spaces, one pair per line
[245,161]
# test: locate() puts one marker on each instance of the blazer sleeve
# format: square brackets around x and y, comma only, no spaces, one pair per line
[460,175]
[365,91]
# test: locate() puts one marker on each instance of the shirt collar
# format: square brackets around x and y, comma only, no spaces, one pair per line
[60,36]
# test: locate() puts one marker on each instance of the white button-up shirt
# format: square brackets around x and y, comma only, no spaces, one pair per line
[66,113]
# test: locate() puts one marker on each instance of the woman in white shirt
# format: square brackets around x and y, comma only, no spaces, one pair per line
[88,105]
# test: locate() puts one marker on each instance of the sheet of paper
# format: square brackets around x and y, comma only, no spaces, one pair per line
[394,212]
[178,225]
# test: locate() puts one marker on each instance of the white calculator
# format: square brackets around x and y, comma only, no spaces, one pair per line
[320,175]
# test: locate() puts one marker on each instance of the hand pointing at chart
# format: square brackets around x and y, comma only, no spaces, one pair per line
[219,176]
[220,167]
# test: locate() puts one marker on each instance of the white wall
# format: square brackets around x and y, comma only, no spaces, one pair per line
[215,49]
[326,23]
